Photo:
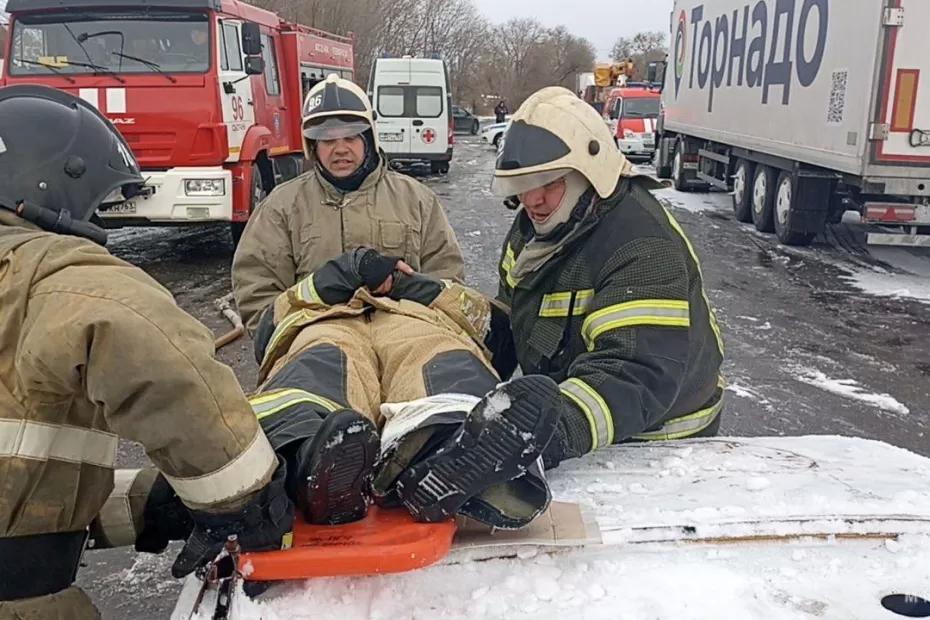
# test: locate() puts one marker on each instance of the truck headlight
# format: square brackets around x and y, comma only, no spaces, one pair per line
[629,135]
[204,187]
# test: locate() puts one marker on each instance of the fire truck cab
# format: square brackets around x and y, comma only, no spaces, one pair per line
[632,112]
[207,93]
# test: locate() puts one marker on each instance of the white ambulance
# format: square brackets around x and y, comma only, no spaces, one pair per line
[413,108]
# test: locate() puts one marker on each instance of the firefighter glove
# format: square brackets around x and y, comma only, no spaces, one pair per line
[337,281]
[417,287]
[165,518]
[260,526]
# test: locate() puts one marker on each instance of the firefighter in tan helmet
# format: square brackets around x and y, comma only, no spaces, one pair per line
[604,289]
[317,277]
[93,349]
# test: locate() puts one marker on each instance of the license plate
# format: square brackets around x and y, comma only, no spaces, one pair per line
[391,137]
[125,208]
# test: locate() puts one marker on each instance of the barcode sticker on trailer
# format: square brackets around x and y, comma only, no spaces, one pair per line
[837,106]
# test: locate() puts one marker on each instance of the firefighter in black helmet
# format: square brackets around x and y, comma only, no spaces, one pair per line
[93,350]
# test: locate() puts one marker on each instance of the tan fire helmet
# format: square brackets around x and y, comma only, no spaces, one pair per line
[552,133]
[336,108]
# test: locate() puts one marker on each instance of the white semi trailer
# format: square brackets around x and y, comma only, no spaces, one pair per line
[804,109]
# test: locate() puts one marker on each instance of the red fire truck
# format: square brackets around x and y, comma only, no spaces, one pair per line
[207,93]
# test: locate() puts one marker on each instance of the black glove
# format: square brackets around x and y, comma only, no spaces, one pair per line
[337,280]
[572,437]
[419,288]
[165,518]
[260,525]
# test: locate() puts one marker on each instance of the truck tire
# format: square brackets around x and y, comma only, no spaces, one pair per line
[663,166]
[678,169]
[257,194]
[763,198]
[742,196]
[786,200]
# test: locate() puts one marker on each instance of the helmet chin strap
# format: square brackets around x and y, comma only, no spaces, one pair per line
[60,222]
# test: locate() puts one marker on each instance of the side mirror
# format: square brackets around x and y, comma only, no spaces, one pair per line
[254,65]
[251,39]
[374,115]
[655,72]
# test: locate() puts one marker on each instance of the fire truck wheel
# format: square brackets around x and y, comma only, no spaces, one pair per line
[257,194]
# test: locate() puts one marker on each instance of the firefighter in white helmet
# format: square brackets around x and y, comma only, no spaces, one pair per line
[605,290]
[312,274]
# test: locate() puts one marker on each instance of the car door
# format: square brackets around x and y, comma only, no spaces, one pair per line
[394,126]
[430,123]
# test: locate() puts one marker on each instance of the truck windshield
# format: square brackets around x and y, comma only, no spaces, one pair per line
[111,42]
[640,108]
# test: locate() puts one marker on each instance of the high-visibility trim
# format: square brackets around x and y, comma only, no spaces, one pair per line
[710,310]
[53,442]
[660,312]
[115,518]
[594,408]
[270,403]
[282,329]
[507,264]
[685,426]
[557,304]
[237,477]
[306,291]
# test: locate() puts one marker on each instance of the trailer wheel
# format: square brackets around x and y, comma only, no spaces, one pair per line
[786,201]
[663,167]
[678,169]
[742,196]
[763,199]
[257,194]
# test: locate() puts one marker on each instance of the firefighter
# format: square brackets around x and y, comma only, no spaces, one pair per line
[93,350]
[606,291]
[311,277]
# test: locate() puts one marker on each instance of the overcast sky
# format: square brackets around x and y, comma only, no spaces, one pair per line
[599,21]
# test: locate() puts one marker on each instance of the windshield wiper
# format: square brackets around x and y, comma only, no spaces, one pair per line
[52,68]
[147,63]
[98,69]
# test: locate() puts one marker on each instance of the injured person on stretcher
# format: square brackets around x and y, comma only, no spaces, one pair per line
[346,352]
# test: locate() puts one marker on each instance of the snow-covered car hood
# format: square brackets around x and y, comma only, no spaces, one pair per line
[788,527]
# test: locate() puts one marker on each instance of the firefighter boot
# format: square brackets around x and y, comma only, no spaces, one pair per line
[502,436]
[334,469]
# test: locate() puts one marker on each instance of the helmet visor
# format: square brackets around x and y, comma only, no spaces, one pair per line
[520,184]
[333,128]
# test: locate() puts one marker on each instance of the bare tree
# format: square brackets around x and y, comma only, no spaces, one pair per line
[511,60]
[643,48]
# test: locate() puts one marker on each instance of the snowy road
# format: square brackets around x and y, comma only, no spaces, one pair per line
[830,339]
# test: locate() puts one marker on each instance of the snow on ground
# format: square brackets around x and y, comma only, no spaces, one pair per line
[850,388]
[894,285]
[695,203]
[843,490]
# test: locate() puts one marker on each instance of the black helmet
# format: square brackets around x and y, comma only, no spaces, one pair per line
[60,159]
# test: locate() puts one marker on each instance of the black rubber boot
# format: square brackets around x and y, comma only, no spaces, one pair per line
[501,437]
[335,469]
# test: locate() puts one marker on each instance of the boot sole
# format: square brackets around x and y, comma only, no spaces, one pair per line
[337,488]
[502,436]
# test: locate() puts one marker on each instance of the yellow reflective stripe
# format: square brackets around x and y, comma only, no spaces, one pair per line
[557,304]
[710,310]
[660,312]
[685,426]
[507,264]
[270,403]
[306,291]
[282,329]
[40,441]
[239,476]
[594,408]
